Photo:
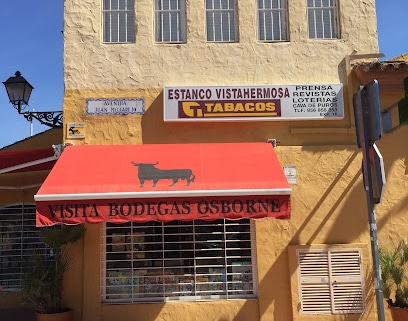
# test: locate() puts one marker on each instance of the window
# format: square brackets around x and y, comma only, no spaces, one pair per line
[18,237]
[118,21]
[322,19]
[221,20]
[177,261]
[331,281]
[272,20]
[170,21]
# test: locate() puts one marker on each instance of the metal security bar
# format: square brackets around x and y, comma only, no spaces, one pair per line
[272,20]
[323,19]
[177,261]
[118,21]
[18,239]
[170,16]
[221,20]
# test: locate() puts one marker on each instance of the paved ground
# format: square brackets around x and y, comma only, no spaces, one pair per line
[17,315]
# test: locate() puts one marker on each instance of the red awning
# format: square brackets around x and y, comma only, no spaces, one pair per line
[28,160]
[164,182]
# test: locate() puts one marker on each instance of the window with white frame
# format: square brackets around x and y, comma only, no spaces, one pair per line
[323,19]
[186,261]
[330,281]
[272,20]
[221,20]
[170,21]
[118,21]
[18,239]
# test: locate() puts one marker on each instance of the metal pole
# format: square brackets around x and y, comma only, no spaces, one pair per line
[368,186]
[31,127]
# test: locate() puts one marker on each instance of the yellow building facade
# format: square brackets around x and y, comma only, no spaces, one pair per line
[308,62]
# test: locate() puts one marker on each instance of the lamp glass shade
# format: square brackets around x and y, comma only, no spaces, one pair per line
[18,89]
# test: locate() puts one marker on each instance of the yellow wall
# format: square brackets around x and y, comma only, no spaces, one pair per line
[90,64]
[328,207]
[328,201]
[42,140]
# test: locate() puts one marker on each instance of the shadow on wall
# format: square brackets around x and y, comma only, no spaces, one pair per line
[320,220]
[338,215]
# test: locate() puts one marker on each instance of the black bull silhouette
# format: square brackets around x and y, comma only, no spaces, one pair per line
[149,172]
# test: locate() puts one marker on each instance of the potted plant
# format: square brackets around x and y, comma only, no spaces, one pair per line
[394,274]
[42,282]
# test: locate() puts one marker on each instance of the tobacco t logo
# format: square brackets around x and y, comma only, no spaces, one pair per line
[236,108]
[149,172]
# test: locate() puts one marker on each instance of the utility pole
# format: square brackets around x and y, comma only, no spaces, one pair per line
[366,105]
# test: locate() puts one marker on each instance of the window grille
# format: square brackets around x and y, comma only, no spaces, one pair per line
[187,261]
[18,238]
[118,21]
[330,281]
[221,20]
[323,19]
[170,21]
[272,20]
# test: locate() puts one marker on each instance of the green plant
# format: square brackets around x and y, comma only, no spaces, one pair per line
[394,274]
[42,282]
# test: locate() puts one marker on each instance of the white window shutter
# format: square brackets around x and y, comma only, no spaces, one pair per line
[347,281]
[314,282]
[331,281]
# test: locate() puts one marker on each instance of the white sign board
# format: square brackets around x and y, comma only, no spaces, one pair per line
[75,130]
[115,106]
[241,103]
[378,174]
[290,173]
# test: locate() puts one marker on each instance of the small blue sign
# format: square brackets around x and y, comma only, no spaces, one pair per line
[115,106]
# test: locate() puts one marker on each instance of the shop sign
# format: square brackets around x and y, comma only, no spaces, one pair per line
[115,106]
[75,130]
[242,103]
[165,209]
[290,173]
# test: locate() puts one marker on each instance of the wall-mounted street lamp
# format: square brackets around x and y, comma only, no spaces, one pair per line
[19,91]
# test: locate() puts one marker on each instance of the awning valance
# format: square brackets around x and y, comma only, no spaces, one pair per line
[28,160]
[164,182]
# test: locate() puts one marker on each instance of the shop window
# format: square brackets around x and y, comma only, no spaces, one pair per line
[18,239]
[323,19]
[272,20]
[170,21]
[186,261]
[330,281]
[221,20]
[118,21]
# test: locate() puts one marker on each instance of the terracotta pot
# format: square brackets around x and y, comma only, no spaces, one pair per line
[62,316]
[399,314]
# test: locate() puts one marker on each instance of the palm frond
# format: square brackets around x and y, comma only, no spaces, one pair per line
[42,282]
[394,274]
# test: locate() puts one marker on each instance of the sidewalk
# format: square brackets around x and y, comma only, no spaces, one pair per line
[17,315]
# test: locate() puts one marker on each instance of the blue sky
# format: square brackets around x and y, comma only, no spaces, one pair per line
[31,41]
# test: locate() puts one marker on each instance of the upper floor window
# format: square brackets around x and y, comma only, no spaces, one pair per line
[118,21]
[170,20]
[272,20]
[221,19]
[323,19]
